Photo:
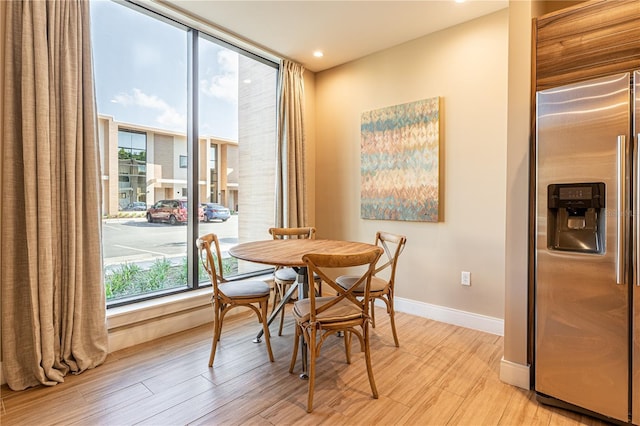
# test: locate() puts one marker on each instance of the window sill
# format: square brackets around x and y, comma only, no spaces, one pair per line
[141,322]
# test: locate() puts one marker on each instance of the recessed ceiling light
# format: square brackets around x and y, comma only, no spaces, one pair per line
[318,54]
[246,81]
[460,1]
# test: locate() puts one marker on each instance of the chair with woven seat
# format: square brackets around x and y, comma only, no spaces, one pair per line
[319,317]
[231,294]
[284,277]
[382,288]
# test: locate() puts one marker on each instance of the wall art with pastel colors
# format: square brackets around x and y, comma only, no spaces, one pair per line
[399,149]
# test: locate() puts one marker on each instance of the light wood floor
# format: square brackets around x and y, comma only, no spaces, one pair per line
[440,375]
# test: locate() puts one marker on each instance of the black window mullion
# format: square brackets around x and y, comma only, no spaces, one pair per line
[192,158]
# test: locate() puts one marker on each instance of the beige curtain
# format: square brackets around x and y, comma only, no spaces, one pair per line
[53,302]
[291,206]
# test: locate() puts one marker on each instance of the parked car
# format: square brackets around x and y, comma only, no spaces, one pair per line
[136,206]
[172,211]
[213,211]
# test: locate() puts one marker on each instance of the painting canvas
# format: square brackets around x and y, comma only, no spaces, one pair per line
[399,148]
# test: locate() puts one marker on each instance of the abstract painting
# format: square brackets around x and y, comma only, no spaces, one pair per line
[399,149]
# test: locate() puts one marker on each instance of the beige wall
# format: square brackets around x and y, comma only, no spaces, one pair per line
[467,66]
[310,144]
[515,360]
[481,69]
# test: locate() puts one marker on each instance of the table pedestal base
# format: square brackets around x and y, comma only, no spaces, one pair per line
[303,292]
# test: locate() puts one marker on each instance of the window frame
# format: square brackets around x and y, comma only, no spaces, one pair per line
[195,30]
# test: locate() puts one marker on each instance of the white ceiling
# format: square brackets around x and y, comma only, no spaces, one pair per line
[343,30]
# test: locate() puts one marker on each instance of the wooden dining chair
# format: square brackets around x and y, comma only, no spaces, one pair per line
[284,277]
[231,294]
[319,317]
[384,277]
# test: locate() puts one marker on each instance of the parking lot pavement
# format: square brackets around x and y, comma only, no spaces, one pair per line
[136,240]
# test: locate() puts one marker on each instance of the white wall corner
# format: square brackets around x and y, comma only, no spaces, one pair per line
[451,316]
[515,374]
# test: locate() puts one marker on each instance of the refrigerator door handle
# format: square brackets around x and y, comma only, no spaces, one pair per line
[622,190]
[636,213]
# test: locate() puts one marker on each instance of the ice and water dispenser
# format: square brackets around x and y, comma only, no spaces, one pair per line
[576,217]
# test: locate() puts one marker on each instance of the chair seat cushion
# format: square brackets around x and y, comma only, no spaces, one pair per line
[289,274]
[248,288]
[346,281]
[342,311]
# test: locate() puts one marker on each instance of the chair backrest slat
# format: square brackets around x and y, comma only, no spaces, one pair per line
[211,259]
[387,240]
[307,232]
[319,263]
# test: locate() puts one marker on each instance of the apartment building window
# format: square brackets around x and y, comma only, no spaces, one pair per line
[213,173]
[156,79]
[132,168]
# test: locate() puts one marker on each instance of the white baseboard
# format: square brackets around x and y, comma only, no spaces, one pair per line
[515,374]
[450,316]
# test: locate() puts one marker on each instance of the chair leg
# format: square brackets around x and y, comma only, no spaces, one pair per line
[373,313]
[311,344]
[294,353]
[392,317]
[276,296]
[216,333]
[347,345]
[281,322]
[367,356]
[220,320]
[284,290]
[267,338]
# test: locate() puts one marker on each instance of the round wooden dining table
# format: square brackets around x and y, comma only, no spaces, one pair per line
[289,253]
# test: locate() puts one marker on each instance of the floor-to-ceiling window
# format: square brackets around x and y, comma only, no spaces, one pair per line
[184,119]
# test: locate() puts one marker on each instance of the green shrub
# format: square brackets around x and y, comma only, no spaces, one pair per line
[122,280]
[157,275]
[129,279]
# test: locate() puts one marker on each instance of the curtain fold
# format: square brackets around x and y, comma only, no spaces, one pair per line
[291,203]
[53,300]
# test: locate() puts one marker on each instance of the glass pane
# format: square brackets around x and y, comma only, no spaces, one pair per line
[237,126]
[140,67]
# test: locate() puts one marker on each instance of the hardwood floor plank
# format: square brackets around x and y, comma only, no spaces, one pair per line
[133,412]
[522,409]
[440,375]
[485,404]
[433,406]
[412,383]
[468,368]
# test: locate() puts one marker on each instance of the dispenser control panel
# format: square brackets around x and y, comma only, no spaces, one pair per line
[576,195]
[576,217]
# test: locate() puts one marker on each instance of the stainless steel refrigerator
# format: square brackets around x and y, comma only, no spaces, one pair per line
[587,247]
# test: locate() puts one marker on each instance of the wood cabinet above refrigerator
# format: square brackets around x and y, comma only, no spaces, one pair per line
[589,40]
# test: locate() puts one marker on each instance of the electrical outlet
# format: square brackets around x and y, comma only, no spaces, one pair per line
[465,278]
